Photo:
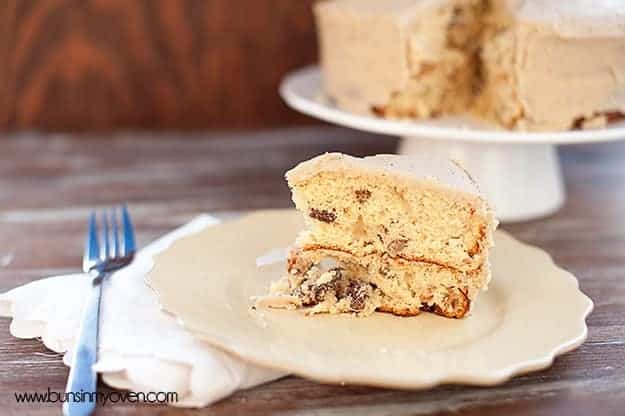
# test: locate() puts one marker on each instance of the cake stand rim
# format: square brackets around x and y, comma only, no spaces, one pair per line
[414,129]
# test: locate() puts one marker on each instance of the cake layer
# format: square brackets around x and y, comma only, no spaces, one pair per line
[415,209]
[332,281]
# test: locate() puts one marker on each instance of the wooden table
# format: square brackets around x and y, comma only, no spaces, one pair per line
[49,183]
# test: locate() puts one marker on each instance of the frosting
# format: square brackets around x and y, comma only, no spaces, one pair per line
[553,55]
[575,18]
[425,169]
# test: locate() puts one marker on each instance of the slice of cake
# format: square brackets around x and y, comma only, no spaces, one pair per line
[389,233]
[523,64]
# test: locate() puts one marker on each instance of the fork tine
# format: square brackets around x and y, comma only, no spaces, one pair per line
[129,233]
[115,249]
[105,249]
[92,249]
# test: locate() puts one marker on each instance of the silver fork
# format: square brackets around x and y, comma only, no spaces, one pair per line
[106,251]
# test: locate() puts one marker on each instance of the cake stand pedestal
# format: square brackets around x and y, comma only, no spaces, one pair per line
[521,181]
[518,172]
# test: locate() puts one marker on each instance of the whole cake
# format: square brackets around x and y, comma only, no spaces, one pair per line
[389,233]
[524,64]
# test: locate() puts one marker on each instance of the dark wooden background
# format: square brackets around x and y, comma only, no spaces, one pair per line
[159,64]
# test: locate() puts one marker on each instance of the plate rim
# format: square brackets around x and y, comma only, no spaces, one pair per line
[485,378]
[288,91]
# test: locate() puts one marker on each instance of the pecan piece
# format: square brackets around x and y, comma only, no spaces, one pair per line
[357,292]
[319,292]
[362,195]
[322,215]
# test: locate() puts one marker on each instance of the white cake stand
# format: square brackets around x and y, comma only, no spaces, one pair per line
[518,172]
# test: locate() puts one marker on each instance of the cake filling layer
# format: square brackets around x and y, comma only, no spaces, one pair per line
[390,253]
[334,282]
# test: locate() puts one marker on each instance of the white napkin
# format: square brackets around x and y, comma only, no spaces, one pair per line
[141,347]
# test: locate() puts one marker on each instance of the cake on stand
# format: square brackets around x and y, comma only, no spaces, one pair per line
[519,172]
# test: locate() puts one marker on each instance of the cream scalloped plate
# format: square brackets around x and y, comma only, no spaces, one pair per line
[532,312]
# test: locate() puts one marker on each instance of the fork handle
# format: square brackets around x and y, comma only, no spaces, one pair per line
[81,387]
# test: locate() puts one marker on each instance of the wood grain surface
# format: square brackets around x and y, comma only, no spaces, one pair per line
[183,64]
[48,186]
